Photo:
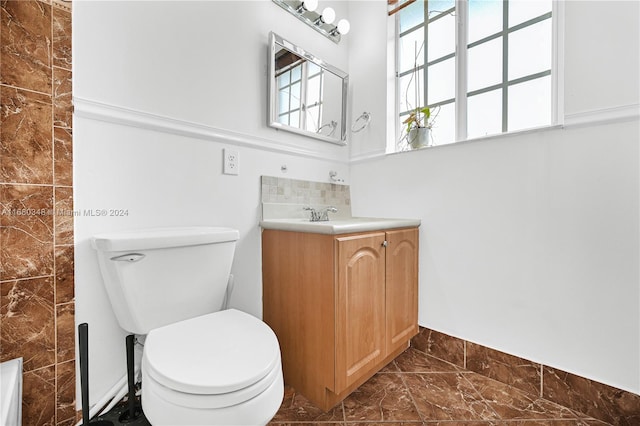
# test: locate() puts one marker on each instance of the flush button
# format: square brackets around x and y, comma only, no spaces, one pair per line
[129,257]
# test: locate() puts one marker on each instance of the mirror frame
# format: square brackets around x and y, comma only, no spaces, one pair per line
[275,41]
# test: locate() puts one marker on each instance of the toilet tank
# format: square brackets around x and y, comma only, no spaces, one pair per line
[159,276]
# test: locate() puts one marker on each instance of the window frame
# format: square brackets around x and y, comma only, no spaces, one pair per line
[461,95]
[286,88]
[303,81]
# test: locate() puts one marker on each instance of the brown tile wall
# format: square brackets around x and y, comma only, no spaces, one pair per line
[597,400]
[36,203]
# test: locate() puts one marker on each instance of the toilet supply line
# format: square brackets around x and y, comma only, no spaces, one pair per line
[115,394]
[112,397]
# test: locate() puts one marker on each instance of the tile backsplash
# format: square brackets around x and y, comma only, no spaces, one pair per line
[285,198]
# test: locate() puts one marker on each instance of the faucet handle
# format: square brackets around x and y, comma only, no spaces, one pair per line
[320,215]
[315,215]
[324,214]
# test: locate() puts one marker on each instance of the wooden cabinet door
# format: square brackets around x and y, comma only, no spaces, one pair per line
[402,287]
[360,306]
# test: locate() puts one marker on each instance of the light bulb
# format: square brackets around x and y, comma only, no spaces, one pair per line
[310,5]
[328,15]
[343,26]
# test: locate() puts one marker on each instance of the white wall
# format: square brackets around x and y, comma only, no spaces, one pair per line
[160,88]
[529,243]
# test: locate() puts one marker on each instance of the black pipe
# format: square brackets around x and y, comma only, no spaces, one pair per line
[130,373]
[83,339]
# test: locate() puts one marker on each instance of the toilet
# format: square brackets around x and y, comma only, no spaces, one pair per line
[201,364]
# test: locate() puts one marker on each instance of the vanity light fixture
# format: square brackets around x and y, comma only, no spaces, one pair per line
[342,27]
[321,22]
[327,17]
[307,5]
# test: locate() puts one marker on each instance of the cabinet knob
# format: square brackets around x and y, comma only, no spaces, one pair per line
[385,243]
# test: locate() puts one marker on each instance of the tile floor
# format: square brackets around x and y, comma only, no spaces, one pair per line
[419,389]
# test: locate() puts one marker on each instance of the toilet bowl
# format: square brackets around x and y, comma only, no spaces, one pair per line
[201,364]
[220,368]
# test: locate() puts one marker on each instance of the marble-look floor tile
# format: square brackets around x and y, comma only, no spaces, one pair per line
[39,397]
[390,368]
[550,422]
[65,391]
[26,231]
[61,40]
[296,408]
[384,397]
[27,322]
[440,345]
[306,424]
[514,404]
[418,389]
[459,423]
[514,371]
[417,423]
[594,399]
[62,98]
[25,45]
[448,396]
[415,361]
[65,291]
[69,422]
[26,143]
[62,156]
[63,218]
[459,398]
[65,332]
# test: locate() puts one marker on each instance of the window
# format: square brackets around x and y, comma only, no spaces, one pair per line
[292,111]
[289,95]
[498,80]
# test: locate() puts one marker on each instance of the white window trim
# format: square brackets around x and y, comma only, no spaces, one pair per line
[462,18]
[557,63]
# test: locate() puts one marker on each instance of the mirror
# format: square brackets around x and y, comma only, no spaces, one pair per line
[306,95]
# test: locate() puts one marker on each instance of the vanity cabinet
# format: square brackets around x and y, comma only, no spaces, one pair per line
[342,306]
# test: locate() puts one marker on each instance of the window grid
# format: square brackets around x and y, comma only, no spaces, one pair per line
[504,34]
[305,109]
[287,89]
[422,68]
[317,104]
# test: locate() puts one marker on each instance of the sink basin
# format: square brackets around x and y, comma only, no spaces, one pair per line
[338,226]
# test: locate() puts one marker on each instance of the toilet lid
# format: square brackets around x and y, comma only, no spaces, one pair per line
[211,354]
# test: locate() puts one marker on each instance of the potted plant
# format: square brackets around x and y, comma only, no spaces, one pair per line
[417,133]
[419,127]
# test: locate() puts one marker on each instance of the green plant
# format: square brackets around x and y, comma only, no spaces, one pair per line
[419,117]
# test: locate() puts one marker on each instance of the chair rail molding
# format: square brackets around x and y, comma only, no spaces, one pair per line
[115,114]
[603,116]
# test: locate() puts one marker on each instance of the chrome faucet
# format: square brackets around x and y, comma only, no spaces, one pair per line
[320,215]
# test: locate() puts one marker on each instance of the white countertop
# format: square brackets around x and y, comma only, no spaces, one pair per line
[340,225]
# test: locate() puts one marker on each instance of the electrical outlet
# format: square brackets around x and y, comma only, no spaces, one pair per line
[231,161]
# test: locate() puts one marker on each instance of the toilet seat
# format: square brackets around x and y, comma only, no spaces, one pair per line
[217,401]
[212,361]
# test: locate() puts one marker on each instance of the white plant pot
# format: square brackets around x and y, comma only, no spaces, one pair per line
[419,137]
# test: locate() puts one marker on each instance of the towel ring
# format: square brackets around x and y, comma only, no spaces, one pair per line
[365,119]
